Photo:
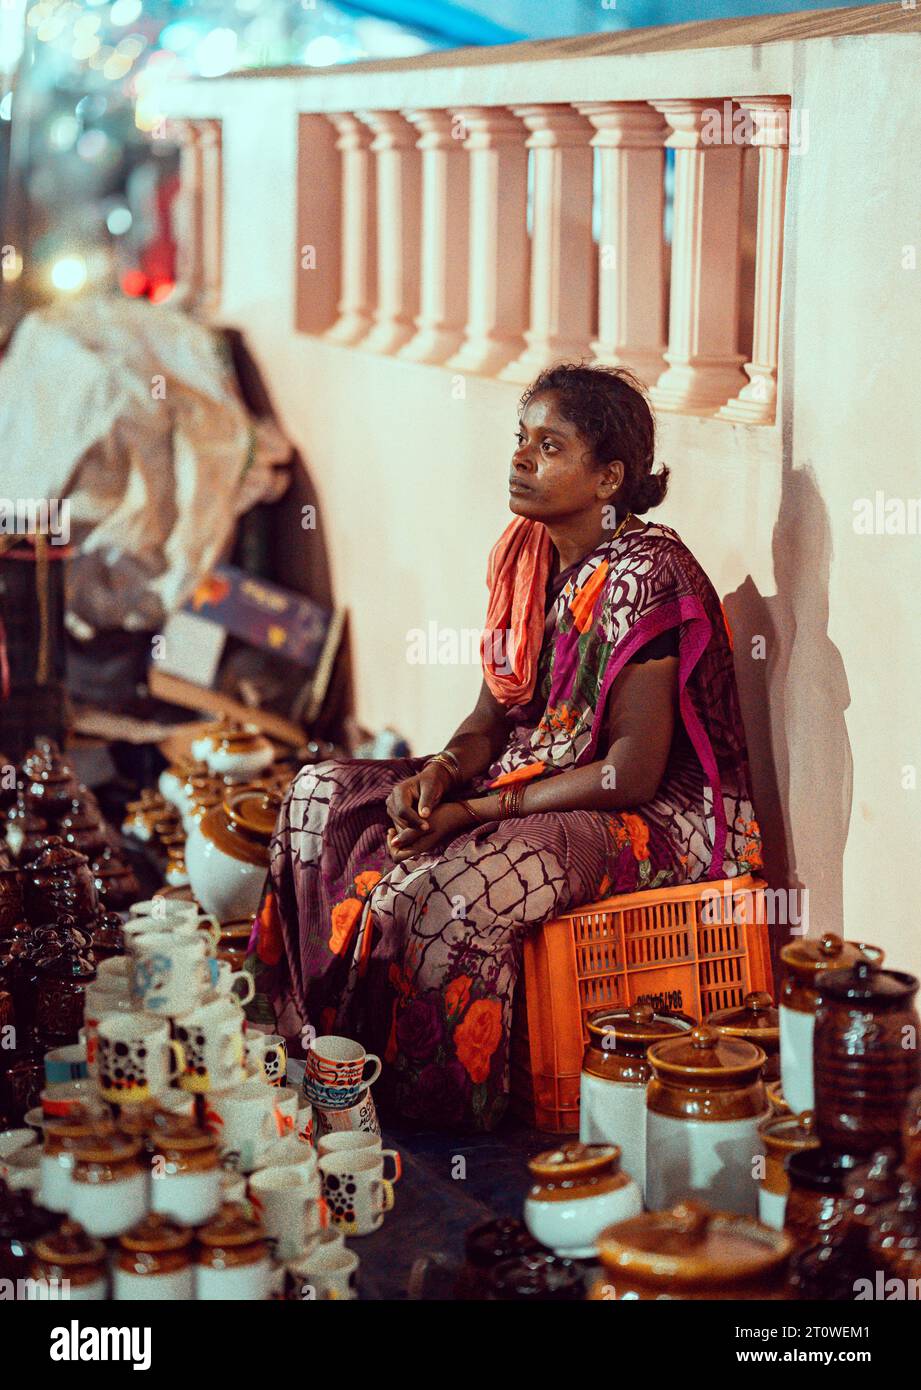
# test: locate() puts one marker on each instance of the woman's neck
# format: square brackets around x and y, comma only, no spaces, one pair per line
[579,536]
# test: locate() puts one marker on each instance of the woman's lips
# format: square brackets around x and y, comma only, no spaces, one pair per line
[519,488]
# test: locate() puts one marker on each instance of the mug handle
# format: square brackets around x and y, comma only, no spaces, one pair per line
[249,985]
[178,1054]
[213,929]
[386,1195]
[370,1080]
[397,1162]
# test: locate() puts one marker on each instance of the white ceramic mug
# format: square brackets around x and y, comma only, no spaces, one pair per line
[326,1270]
[244,1120]
[338,1070]
[355,1191]
[170,973]
[227,982]
[362,1116]
[211,1038]
[350,1141]
[136,1058]
[270,1051]
[187,927]
[286,1200]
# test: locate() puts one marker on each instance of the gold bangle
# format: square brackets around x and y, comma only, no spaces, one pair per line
[448,761]
[465,806]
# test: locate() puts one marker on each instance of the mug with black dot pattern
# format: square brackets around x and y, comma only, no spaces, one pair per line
[136,1059]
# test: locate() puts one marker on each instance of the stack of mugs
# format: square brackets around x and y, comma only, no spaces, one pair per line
[357,1172]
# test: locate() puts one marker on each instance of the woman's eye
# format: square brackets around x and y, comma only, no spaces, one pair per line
[548,445]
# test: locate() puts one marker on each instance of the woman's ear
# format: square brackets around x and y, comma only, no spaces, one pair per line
[610,480]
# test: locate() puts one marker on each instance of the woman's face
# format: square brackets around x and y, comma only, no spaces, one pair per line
[553,475]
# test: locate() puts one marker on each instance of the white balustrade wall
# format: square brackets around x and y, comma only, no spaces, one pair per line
[403,245]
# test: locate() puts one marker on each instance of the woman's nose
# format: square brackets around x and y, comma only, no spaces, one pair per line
[521,460]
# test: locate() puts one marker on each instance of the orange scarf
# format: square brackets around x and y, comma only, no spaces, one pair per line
[519,564]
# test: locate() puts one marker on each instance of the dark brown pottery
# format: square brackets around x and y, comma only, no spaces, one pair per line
[911,1137]
[116,882]
[232,1239]
[817,1203]
[24,832]
[107,936]
[895,1241]
[57,883]
[69,1253]
[619,1038]
[539,1277]
[22,1221]
[50,790]
[60,1003]
[757,1021]
[691,1252]
[490,1244]
[83,830]
[706,1076]
[155,1246]
[867,1057]
[11,903]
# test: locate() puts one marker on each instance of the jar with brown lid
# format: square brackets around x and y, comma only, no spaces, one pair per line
[233,1257]
[867,1058]
[537,1277]
[62,1136]
[842,1264]
[185,1170]
[817,1203]
[692,1252]
[704,1103]
[578,1189]
[155,1261]
[781,1136]
[757,1021]
[487,1245]
[109,1184]
[57,881]
[72,1260]
[805,962]
[615,1071]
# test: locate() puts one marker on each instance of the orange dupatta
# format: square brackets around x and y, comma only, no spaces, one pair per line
[519,564]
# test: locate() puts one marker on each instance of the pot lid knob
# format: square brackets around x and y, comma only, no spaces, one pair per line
[692,1219]
[758,1002]
[830,944]
[641,1013]
[704,1037]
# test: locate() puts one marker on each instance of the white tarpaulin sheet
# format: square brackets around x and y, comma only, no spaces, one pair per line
[131,411]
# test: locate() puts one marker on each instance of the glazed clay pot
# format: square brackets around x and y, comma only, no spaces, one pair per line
[12,910]
[804,964]
[49,790]
[757,1021]
[227,853]
[817,1203]
[703,1106]
[22,1222]
[867,1057]
[615,1071]
[141,815]
[70,1253]
[233,1258]
[895,1241]
[578,1189]
[691,1252]
[108,939]
[781,1136]
[60,1139]
[57,883]
[488,1245]
[24,832]
[61,997]
[108,1184]
[240,754]
[537,1278]
[911,1137]
[186,1161]
[83,831]
[155,1261]
[116,882]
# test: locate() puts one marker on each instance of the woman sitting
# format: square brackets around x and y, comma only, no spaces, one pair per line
[605,754]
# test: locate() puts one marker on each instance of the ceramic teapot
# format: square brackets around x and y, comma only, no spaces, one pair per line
[227,853]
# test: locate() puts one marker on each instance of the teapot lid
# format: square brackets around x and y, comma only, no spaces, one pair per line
[865,982]
[231,1227]
[690,1244]
[639,1023]
[756,1014]
[68,1245]
[827,952]
[52,853]
[575,1160]
[707,1054]
[156,1233]
[253,811]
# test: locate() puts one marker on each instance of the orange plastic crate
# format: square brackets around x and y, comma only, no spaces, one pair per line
[654,947]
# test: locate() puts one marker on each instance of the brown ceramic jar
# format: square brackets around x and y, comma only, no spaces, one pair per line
[83,831]
[155,1261]
[71,1254]
[141,815]
[536,1277]
[61,1137]
[911,1137]
[108,939]
[757,1021]
[58,882]
[12,910]
[895,1241]
[817,1203]
[805,964]
[867,1057]
[116,882]
[60,1001]
[691,1252]
[781,1136]
[24,832]
[487,1245]
[108,1184]
[50,789]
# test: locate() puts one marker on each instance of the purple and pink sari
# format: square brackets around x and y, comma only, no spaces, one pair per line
[419,960]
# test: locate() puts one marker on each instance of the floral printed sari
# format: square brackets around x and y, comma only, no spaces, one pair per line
[419,960]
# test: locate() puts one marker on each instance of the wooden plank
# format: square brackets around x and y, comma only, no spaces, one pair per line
[182,692]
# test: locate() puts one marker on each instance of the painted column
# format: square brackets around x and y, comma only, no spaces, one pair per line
[398,221]
[445,217]
[703,362]
[356,300]
[497,295]
[189,216]
[629,136]
[562,250]
[212,215]
[756,403]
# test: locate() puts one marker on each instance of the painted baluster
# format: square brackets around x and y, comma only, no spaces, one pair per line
[443,292]
[704,365]
[562,250]
[212,215]
[629,136]
[398,203]
[189,216]
[497,299]
[357,233]
[756,403]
